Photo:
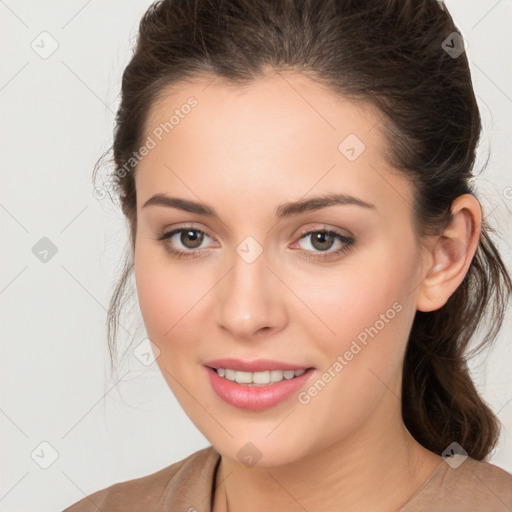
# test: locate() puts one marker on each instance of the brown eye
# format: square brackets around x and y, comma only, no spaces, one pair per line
[184,242]
[322,240]
[191,238]
[325,244]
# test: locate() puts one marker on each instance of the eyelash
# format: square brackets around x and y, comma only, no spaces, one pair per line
[347,243]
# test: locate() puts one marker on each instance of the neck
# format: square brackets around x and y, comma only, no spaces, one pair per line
[377,468]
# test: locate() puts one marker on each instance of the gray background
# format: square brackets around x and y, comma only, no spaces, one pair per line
[56,119]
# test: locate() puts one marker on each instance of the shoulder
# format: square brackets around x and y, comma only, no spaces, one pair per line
[483,481]
[188,482]
[494,482]
[473,485]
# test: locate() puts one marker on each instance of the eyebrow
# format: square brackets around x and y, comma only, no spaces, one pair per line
[288,209]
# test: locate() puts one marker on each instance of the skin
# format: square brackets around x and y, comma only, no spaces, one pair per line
[244,151]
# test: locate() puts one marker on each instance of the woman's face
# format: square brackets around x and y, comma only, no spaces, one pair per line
[254,286]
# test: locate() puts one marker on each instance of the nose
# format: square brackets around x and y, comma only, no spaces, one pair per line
[250,300]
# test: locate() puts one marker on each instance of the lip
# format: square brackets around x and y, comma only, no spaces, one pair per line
[258,365]
[256,398]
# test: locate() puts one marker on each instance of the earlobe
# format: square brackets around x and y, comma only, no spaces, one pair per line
[452,254]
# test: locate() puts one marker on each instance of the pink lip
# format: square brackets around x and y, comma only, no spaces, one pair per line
[255,398]
[259,365]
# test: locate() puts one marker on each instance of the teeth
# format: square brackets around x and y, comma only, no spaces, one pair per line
[243,377]
[258,378]
[261,378]
[276,375]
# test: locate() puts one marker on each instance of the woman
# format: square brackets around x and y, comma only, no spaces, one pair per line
[310,258]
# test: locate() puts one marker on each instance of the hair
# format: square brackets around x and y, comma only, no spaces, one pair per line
[388,54]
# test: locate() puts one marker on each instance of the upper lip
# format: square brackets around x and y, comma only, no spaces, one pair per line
[257,365]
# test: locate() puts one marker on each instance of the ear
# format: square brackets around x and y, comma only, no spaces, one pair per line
[451,254]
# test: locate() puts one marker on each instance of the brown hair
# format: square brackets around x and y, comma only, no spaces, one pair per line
[390,54]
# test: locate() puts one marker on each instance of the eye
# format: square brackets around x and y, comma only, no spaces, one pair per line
[322,241]
[183,242]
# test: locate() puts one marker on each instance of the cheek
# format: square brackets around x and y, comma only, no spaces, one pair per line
[166,295]
[174,301]
[371,316]
[170,304]
[156,302]
[368,311]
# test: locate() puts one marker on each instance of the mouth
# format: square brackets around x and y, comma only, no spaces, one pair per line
[256,385]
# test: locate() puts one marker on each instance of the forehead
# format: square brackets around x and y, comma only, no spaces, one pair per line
[278,137]
[280,106]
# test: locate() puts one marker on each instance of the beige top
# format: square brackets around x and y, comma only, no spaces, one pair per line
[187,486]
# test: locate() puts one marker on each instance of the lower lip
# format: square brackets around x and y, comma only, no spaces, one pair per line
[255,398]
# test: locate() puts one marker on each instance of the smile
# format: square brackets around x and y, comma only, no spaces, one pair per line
[258,378]
[257,390]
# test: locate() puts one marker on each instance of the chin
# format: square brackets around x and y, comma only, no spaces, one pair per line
[261,452]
